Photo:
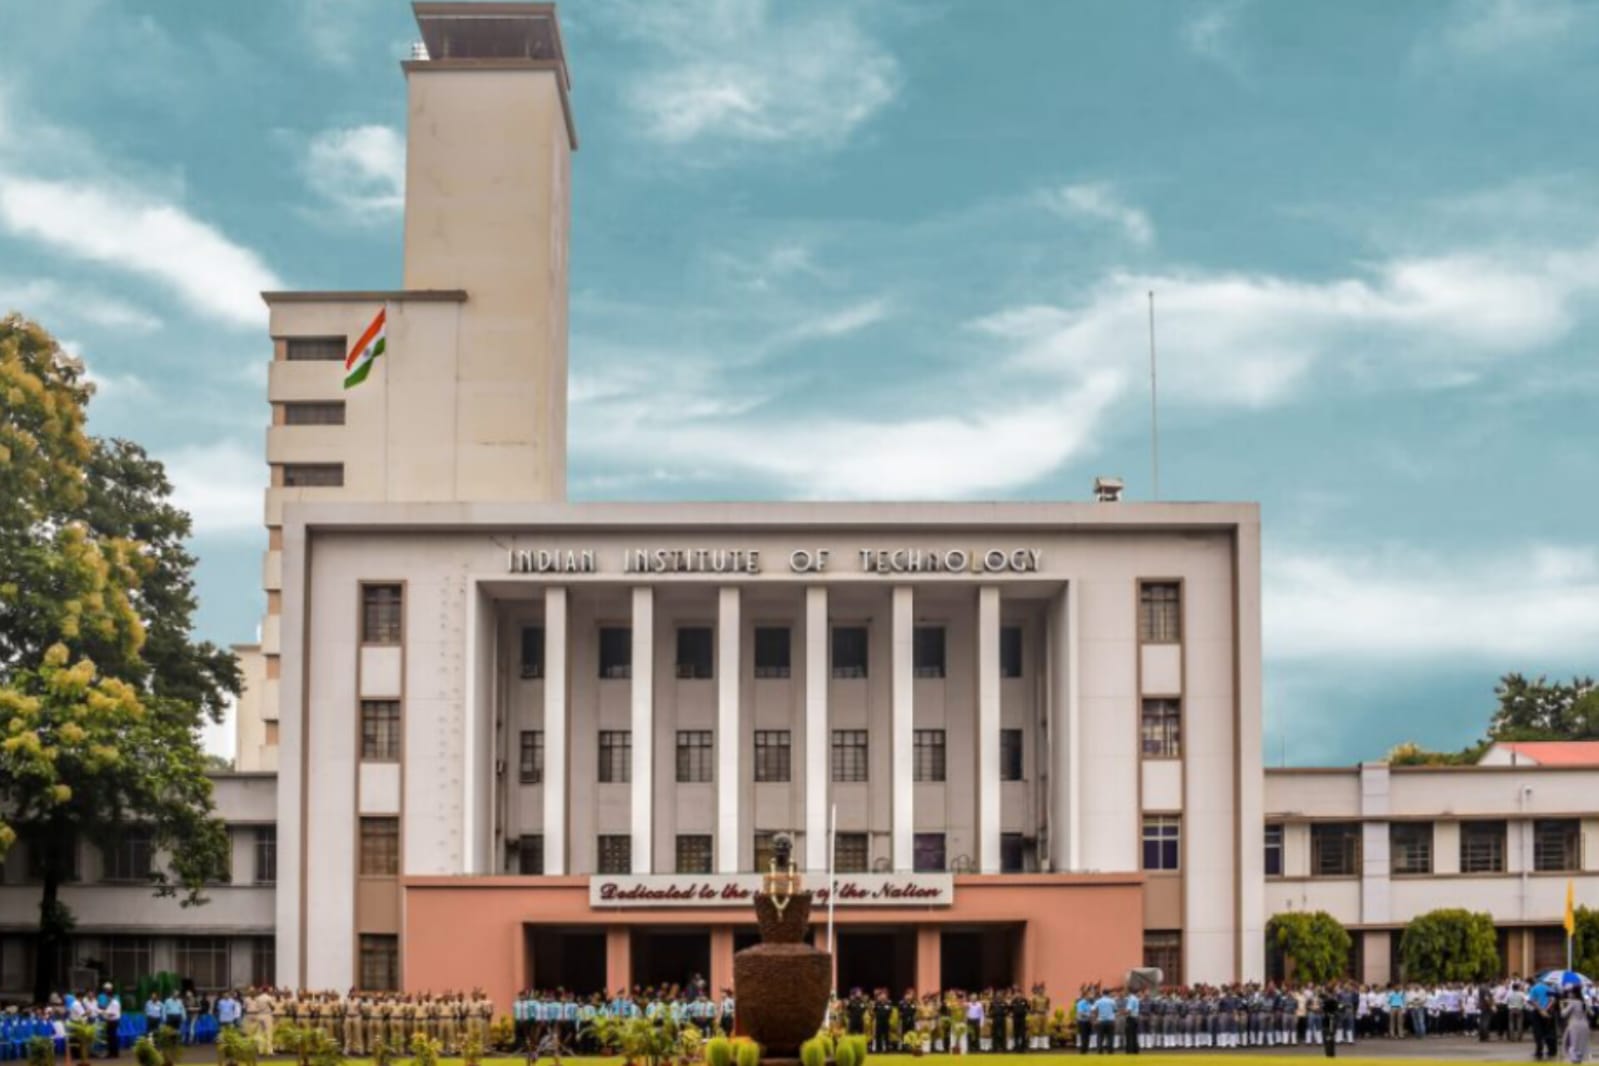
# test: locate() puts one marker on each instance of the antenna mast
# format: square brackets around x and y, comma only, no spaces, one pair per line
[1154,412]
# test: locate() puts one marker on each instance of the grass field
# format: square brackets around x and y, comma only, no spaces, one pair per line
[1301,1056]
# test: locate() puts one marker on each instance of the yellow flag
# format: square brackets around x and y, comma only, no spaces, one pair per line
[1571,908]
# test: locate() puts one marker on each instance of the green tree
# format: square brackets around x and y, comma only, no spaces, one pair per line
[1314,941]
[1545,710]
[1585,949]
[102,688]
[1450,944]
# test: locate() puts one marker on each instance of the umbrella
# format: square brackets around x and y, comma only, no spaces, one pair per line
[1564,979]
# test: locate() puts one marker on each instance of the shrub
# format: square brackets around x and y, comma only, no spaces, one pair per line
[844,1054]
[424,1052]
[41,1051]
[1314,941]
[812,1053]
[1449,945]
[858,1042]
[718,1051]
[472,1047]
[234,1048]
[502,1033]
[144,1052]
[382,1054]
[748,1053]
[169,1042]
[80,1038]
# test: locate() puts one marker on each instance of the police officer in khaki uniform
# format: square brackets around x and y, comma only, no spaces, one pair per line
[354,1033]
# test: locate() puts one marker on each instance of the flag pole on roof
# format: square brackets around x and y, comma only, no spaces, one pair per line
[365,351]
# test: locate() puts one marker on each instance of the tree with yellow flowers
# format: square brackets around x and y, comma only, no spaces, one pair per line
[103,689]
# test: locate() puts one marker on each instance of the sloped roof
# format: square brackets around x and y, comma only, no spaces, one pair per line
[1555,752]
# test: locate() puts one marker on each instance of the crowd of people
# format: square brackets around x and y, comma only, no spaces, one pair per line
[1101,1020]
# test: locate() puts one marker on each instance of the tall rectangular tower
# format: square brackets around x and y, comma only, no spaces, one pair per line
[468,403]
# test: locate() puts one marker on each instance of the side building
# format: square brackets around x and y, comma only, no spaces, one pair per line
[1376,845]
[124,932]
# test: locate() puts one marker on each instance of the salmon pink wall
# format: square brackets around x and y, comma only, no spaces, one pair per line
[467,932]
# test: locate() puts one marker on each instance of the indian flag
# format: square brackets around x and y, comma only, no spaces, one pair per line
[358,364]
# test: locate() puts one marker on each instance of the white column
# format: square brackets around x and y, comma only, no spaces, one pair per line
[555,731]
[643,738]
[902,686]
[1065,777]
[816,735]
[988,825]
[728,736]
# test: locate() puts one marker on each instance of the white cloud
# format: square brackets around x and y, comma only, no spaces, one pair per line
[1209,34]
[1100,202]
[1538,601]
[1489,28]
[839,323]
[988,449]
[48,301]
[124,229]
[360,170]
[220,483]
[1255,340]
[756,71]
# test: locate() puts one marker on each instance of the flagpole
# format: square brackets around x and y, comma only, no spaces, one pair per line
[832,888]
[1154,413]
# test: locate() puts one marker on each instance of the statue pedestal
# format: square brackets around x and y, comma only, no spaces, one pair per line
[782,985]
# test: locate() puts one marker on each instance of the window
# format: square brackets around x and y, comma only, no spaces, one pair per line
[380,847]
[1162,729]
[1410,847]
[266,854]
[616,653]
[530,854]
[849,755]
[315,349]
[1162,837]
[380,730]
[616,756]
[927,651]
[204,960]
[928,755]
[1010,651]
[530,757]
[127,960]
[1163,951]
[694,653]
[693,755]
[616,853]
[225,875]
[263,962]
[1335,849]
[1548,949]
[1274,850]
[329,413]
[380,962]
[694,854]
[532,651]
[1160,612]
[773,748]
[849,651]
[772,649]
[764,853]
[313,475]
[1482,847]
[851,853]
[1010,754]
[56,851]
[1556,845]
[380,614]
[929,854]
[1012,853]
[129,858]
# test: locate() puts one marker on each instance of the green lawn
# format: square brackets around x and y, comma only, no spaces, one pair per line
[1053,1058]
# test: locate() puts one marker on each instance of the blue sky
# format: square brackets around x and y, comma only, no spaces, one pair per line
[901,250]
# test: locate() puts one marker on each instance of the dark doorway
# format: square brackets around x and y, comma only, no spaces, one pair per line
[876,958]
[573,959]
[670,957]
[975,959]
